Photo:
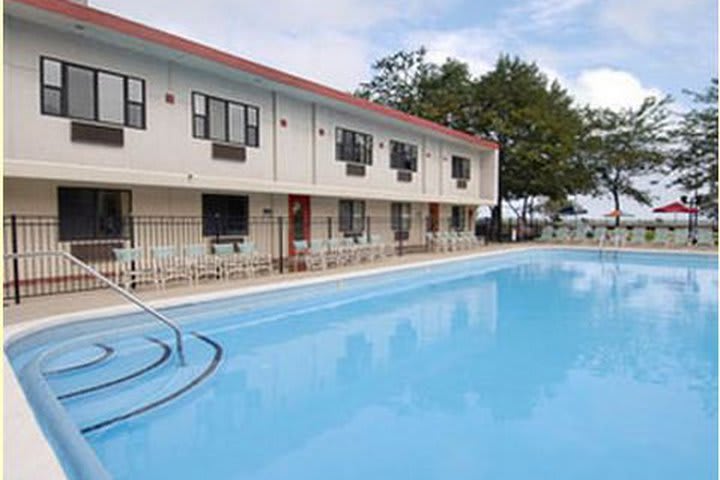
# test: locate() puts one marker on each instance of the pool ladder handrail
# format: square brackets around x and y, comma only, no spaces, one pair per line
[117,289]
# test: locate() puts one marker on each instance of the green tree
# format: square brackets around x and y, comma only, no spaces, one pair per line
[397,81]
[623,145]
[538,130]
[694,163]
[532,119]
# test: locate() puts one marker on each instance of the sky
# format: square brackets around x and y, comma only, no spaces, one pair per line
[608,53]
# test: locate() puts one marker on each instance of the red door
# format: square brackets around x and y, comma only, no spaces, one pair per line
[299,216]
[434,217]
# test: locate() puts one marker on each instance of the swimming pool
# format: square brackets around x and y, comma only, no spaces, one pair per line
[534,364]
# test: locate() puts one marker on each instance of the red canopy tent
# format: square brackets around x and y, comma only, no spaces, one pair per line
[679,207]
[675,207]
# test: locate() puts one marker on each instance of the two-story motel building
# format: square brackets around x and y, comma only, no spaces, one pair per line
[105,116]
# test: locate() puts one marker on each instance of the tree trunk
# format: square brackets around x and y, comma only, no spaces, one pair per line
[616,199]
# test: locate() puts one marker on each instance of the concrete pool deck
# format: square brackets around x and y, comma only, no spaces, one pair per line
[28,441]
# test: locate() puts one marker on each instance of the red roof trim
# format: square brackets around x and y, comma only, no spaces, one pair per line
[143,32]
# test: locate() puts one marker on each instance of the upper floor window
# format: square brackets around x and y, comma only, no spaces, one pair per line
[86,93]
[353,146]
[92,213]
[460,168]
[225,121]
[352,217]
[403,156]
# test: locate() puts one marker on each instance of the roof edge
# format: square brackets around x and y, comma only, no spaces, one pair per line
[143,32]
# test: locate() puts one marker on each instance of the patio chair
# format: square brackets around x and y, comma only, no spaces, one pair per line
[315,258]
[228,262]
[662,237]
[547,234]
[255,260]
[471,239]
[705,238]
[619,236]
[199,263]
[301,248]
[681,237]
[130,271]
[637,236]
[168,265]
[599,234]
[364,249]
[347,253]
[561,234]
[380,250]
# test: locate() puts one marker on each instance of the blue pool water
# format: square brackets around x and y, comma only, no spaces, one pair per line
[540,364]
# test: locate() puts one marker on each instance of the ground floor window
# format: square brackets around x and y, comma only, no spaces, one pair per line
[352,216]
[457,220]
[225,215]
[92,213]
[400,217]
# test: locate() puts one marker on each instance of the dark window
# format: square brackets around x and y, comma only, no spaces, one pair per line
[403,156]
[352,216]
[400,217]
[86,93]
[457,221]
[461,168]
[224,120]
[225,215]
[353,146]
[90,213]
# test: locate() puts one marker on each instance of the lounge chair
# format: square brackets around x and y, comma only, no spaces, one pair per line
[229,263]
[681,237]
[379,247]
[561,234]
[168,265]
[705,238]
[547,234]
[662,237]
[130,272]
[199,263]
[619,236]
[637,236]
[301,248]
[254,259]
[315,258]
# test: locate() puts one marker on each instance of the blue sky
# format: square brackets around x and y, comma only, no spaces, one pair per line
[606,52]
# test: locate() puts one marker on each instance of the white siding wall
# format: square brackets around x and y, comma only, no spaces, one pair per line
[291,159]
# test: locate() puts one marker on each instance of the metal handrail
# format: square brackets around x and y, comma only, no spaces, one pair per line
[117,289]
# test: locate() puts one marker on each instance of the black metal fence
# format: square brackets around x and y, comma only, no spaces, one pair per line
[93,241]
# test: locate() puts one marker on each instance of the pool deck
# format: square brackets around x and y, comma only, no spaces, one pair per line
[20,425]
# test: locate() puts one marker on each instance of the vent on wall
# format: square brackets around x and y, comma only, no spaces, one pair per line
[228,152]
[462,184]
[96,134]
[404,176]
[355,170]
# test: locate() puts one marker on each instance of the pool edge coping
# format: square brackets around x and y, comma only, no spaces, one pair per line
[31,433]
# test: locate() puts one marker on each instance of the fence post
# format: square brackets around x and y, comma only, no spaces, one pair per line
[281,264]
[16,267]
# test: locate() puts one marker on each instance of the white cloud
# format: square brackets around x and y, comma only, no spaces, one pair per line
[476,46]
[607,87]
